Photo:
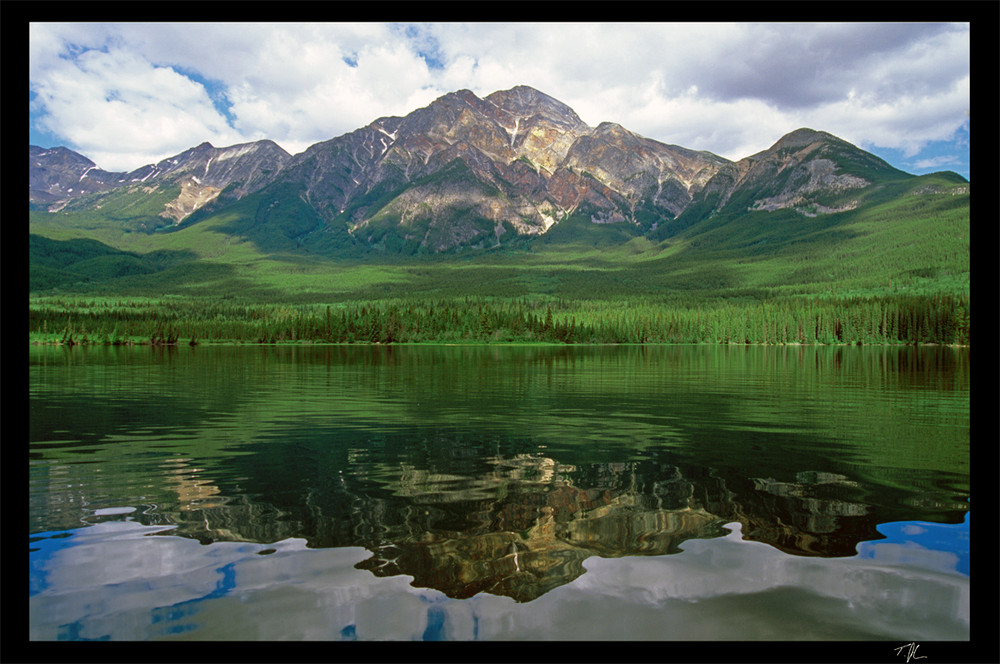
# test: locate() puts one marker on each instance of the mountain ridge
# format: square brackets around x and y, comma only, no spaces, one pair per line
[51,174]
[466,172]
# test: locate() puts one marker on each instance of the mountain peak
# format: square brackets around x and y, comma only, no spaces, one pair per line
[465,171]
[524,93]
[525,101]
[803,136]
[612,128]
[464,94]
[61,153]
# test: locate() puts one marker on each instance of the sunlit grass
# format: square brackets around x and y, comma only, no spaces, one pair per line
[899,244]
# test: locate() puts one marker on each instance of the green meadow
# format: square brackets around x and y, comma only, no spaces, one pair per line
[893,270]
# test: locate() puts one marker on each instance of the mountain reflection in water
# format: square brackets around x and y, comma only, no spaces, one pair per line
[526,526]
[476,472]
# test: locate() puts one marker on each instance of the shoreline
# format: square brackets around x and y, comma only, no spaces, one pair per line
[298,344]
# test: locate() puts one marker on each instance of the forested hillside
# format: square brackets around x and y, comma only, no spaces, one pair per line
[504,219]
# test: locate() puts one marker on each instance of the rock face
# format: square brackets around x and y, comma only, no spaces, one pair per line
[58,174]
[60,177]
[810,171]
[465,172]
[649,176]
[246,167]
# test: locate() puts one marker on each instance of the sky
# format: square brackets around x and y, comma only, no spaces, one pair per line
[130,94]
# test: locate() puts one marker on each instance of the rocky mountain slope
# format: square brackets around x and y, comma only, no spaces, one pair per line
[61,177]
[811,172]
[57,175]
[465,172]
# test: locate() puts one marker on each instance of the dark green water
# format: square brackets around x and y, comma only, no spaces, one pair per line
[499,493]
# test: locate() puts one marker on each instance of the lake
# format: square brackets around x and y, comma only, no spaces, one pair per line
[499,493]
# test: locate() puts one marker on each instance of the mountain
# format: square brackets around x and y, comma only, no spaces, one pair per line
[810,172]
[471,172]
[464,173]
[59,174]
[62,179]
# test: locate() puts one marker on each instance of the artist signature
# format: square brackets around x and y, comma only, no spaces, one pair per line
[911,651]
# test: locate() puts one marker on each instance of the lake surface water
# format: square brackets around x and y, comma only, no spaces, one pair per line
[499,493]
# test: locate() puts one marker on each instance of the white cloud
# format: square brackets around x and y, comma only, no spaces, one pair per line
[120,110]
[936,163]
[313,94]
[908,122]
[732,89]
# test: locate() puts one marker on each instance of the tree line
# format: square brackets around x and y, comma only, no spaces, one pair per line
[889,319]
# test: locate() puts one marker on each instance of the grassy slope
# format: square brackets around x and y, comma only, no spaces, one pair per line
[893,241]
[914,241]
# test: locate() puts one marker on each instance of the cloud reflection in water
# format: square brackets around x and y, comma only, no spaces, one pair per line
[112,581]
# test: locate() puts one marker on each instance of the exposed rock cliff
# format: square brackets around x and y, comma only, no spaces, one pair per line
[465,172]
